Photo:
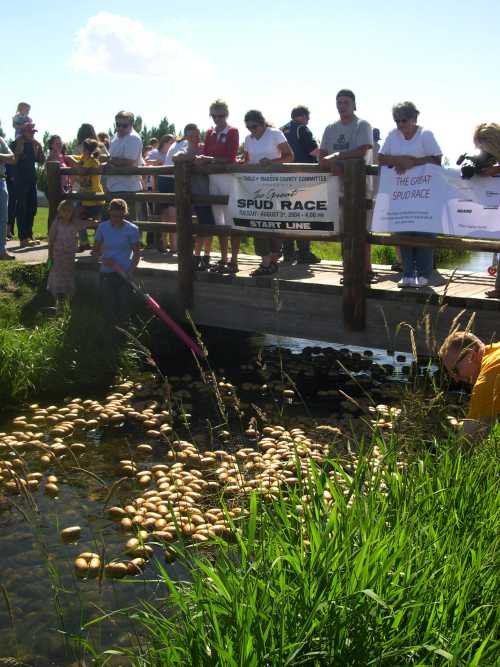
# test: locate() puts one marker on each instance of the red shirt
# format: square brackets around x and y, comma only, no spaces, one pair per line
[224,145]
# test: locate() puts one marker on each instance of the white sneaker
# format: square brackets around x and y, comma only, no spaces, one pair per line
[422,282]
[406,282]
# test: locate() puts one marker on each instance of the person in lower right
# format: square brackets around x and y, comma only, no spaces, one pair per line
[467,359]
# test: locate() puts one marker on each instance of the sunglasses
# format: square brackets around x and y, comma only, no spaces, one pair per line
[252,127]
[218,115]
[463,354]
[400,120]
[122,125]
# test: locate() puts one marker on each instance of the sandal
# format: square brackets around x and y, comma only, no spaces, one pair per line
[232,267]
[265,270]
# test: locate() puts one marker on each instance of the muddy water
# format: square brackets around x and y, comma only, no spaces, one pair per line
[42,601]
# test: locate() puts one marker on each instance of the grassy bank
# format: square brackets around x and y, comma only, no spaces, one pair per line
[41,354]
[381,561]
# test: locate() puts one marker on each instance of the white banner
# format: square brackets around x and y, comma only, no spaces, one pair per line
[292,203]
[438,201]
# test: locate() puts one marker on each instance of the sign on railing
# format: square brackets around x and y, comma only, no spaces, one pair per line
[437,201]
[285,202]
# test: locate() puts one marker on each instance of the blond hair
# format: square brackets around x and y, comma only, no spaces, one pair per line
[65,203]
[487,137]
[459,341]
[118,205]
[219,104]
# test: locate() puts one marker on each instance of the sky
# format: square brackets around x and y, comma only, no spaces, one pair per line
[82,61]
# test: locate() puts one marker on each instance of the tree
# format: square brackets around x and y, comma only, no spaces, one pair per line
[164,127]
[2,133]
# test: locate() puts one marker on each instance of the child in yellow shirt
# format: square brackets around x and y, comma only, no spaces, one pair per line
[90,208]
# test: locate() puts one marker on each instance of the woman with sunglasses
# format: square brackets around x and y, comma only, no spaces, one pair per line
[407,146]
[221,147]
[264,145]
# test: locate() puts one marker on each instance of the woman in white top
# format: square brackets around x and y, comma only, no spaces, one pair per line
[407,146]
[265,145]
[159,157]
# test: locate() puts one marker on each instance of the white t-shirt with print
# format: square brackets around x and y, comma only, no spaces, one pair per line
[265,147]
[128,147]
[422,144]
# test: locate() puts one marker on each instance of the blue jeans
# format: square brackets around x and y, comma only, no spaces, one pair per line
[4,213]
[25,209]
[416,259]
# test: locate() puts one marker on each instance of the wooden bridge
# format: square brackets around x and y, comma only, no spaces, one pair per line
[302,301]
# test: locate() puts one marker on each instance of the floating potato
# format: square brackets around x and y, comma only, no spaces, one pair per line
[152,433]
[144,480]
[81,566]
[132,544]
[71,534]
[116,513]
[170,555]
[200,537]
[116,570]
[143,550]
[145,450]
[136,565]
[51,490]
[126,523]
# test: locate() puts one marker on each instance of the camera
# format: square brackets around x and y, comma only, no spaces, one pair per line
[474,163]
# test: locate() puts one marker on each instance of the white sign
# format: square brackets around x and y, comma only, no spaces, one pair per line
[292,203]
[437,201]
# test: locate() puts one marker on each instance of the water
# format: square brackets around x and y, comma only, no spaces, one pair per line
[43,601]
[475,262]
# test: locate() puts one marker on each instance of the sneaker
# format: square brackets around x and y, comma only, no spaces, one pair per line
[309,258]
[6,256]
[421,281]
[406,282]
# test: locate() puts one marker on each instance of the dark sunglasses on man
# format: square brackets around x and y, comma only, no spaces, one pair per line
[122,126]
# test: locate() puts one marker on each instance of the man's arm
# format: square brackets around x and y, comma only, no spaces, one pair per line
[476,429]
[358,152]
[122,162]
[7,158]
[136,256]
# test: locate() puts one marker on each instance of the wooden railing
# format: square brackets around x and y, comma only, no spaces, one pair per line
[354,237]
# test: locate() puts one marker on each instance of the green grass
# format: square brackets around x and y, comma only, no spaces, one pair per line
[42,354]
[399,570]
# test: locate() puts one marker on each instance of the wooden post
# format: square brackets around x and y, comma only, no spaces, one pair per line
[54,189]
[354,245]
[183,206]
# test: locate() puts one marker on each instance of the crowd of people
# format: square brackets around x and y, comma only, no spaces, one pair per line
[117,239]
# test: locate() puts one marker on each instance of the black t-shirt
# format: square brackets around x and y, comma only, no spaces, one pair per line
[24,170]
[301,140]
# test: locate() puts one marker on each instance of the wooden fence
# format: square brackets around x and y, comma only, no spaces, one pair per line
[354,238]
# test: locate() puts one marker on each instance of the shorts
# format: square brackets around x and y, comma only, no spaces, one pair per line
[166,185]
[220,184]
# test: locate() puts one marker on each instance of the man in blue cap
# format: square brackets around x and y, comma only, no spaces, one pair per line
[305,150]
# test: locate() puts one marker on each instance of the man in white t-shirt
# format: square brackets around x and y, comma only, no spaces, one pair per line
[347,139]
[125,151]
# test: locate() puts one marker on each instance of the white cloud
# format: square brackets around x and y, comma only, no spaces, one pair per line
[113,44]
